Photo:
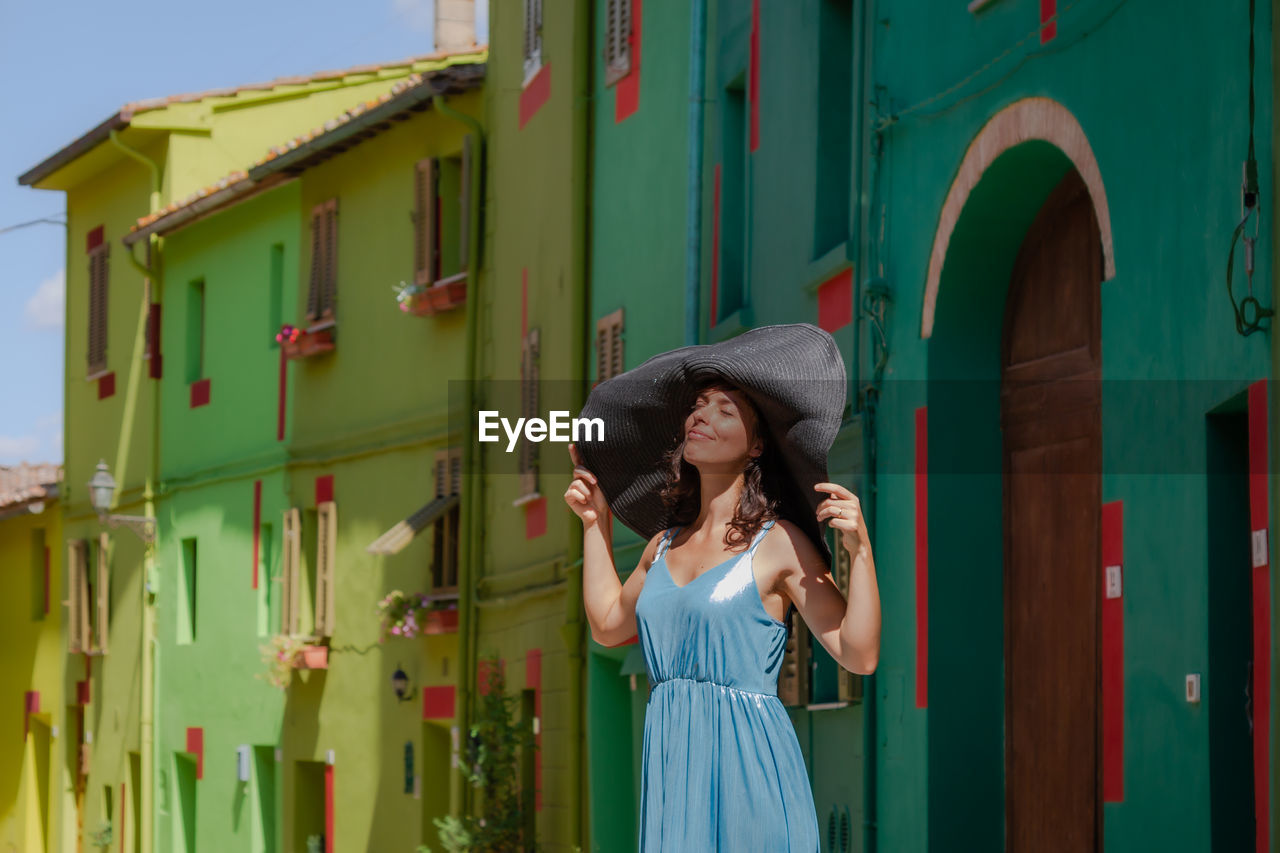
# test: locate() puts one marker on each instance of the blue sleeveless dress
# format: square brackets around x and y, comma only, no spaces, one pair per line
[722,768]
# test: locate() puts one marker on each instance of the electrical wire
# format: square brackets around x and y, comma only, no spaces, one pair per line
[49,220]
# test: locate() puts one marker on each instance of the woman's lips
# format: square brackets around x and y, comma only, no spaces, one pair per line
[693,433]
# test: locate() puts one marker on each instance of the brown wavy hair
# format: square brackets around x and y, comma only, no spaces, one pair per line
[758,501]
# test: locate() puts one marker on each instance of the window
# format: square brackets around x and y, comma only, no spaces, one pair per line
[89,595]
[322,290]
[290,570]
[326,542]
[97,356]
[195,331]
[444,558]
[187,594]
[609,361]
[733,200]
[275,293]
[834,111]
[441,216]
[532,38]
[529,409]
[78,638]
[617,45]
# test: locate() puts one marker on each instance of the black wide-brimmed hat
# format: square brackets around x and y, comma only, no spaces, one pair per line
[794,375]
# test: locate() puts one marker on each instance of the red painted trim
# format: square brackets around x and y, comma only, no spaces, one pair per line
[715,247]
[1259,513]
[199,393]
[753,75]
[195,746]
[1048,8]
[280,395]
[524,302]
[324,489]
[438,702]
[835,301]
[535,518]
[534,95]
[94,239]
[30,705]
[328,808]
[626,98]
[533,681]
[82,692]
[153,350]
[47,577]
[257,529]
[106,385]
[1112,655]
[922,557]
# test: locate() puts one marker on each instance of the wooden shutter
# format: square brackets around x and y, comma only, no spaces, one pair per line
[102,592]
[609,346]
[291,557]
[444,566]
[793,680]
[464,203]
[529,409]
[617,50]
[77,597]
[330,295]
[425,250]
[326,543]
[532,37]
[314,286]
[97,354]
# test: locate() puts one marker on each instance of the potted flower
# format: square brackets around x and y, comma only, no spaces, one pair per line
[101,837]
[413,299]
[415,614]
[297,342]
[421,299]
[312,657]
[280,657]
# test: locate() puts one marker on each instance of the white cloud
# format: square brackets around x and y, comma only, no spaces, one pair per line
[418,15]
[45,307]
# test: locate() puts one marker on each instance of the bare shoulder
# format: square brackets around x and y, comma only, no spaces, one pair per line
[791,551]
[650,552]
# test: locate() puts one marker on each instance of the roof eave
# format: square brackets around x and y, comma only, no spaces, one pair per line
[69,153]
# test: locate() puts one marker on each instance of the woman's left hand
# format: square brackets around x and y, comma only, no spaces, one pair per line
[845,512]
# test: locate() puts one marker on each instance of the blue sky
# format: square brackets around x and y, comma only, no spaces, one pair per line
[64,67]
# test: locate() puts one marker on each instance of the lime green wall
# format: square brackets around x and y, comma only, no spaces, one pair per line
[535,227]
[33,806]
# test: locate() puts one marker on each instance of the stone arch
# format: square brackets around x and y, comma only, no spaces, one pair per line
[1025,120]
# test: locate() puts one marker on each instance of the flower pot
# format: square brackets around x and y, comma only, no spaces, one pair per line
[419,305]
[307,344]
[441,622]
[312,657]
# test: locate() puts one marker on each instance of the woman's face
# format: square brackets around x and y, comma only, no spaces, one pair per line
[718,430]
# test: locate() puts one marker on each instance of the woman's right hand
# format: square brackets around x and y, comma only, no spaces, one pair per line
[584,496]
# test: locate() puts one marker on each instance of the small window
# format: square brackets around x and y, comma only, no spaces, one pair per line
[98,276]
[733,200]
[322,289]
[195,331]
[532,39]
[617,50]
[609,361]
[529,404]
[187,594]
[275,293]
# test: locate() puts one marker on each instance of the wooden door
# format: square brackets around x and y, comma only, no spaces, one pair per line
[1051,417]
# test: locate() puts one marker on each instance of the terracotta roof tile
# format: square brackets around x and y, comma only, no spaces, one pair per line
[26,482]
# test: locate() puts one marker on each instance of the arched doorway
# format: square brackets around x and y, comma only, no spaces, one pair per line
[1050,404]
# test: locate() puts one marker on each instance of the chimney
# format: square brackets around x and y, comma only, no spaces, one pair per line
[455,24]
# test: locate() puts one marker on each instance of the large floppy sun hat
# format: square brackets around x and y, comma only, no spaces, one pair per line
[795,376]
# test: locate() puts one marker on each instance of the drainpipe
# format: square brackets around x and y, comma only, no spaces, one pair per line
[693,254]
[868,160]
[148,705]
[573,631]
[469,545]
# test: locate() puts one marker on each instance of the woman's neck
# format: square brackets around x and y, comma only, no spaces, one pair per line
[720,494]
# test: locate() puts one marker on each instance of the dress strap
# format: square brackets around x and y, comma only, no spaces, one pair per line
[666,542]
[760,536]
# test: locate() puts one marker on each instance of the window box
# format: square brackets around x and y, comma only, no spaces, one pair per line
[299,343]
[441,622]
[445,295]
[312,657]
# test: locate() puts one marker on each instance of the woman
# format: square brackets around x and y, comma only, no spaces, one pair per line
[722,768]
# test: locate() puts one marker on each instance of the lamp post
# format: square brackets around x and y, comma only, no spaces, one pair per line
[101,489]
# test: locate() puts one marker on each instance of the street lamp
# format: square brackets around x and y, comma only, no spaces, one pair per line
[400,684]
[101,489]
